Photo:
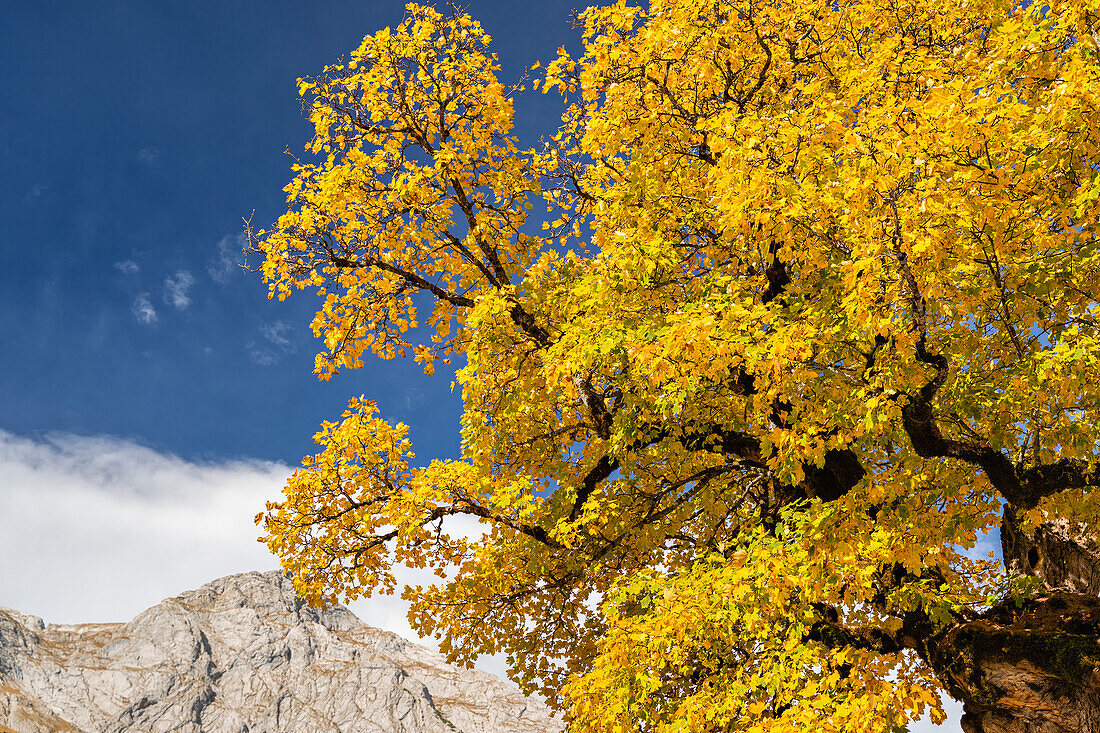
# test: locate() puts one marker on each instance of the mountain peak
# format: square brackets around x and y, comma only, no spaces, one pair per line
[243,654]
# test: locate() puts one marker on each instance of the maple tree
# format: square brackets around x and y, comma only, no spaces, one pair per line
[813,306]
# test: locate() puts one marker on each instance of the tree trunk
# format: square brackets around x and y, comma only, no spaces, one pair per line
[1032,669]
[1032,666]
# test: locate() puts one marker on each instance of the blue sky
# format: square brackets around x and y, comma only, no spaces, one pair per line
[135,138]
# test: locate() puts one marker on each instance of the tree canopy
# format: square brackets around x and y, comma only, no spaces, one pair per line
[798,300]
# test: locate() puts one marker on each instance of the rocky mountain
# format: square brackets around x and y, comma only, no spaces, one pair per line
[243,655]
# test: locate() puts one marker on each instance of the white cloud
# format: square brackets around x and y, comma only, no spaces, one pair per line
[104,528]
[176,287]
[227,259]
[278,333]
[35,191]
[261,354]
[127,267]
[148,155]
[143,309]
[97,529]
[278,336]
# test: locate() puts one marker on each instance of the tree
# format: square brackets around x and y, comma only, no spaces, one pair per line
[812,307]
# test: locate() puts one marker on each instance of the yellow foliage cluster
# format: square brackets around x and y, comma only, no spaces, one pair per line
[814,296]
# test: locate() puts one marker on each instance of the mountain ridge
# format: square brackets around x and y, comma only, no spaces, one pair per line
[243,654]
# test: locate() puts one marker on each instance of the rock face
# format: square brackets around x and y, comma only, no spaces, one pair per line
[243,654]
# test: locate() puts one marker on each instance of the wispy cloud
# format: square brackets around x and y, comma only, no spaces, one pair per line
[278,340]
[261,355]
[35,191]
[227,258]
[413,396]
[278,333]
[176,287]
[143,309]
[148,155]
[127,267]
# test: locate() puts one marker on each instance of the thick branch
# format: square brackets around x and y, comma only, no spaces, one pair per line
[529,326]
[839,474]
[533,531]
[919,422]
[835,636]
[1022,488]
[500,275]
[597,408]
[409,277]
[601,471]
[1039,481]
[778,280]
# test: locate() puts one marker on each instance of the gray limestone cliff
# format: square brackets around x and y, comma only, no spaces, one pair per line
[243,654]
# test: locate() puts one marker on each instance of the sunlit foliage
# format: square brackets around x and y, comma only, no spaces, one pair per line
[795,298]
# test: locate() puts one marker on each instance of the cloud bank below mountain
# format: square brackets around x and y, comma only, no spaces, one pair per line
[97,529]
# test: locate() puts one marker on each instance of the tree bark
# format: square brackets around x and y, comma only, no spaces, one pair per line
[1028,669]
[1031,665]
[1064,556]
